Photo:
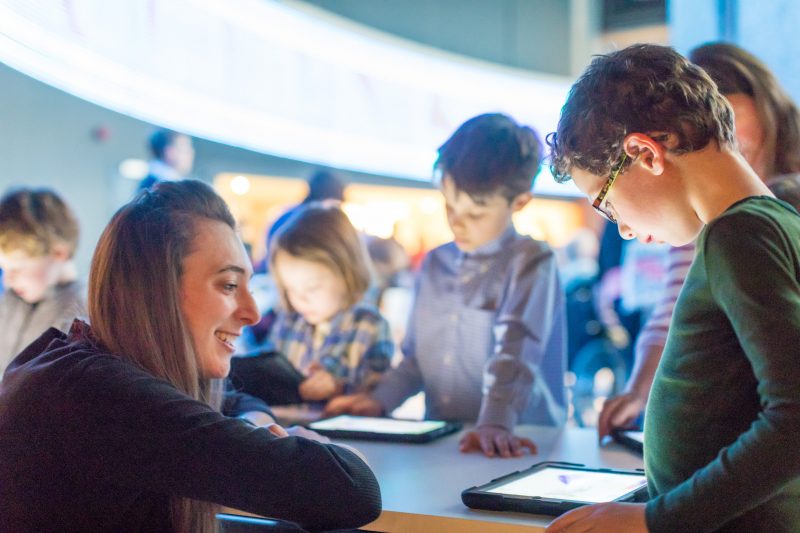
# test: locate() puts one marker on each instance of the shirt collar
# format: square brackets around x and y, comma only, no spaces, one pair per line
[491,247]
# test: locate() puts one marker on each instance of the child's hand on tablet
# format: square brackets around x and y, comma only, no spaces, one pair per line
[354,404]
[320,385]
[603,517]
[494,441]
[619,412]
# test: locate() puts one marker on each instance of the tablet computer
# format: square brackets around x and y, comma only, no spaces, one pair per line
[386,429]
[630,438]
[553,488]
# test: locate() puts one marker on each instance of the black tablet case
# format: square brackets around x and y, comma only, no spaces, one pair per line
[632,444]
[267,375]
[476,498]
[447,429]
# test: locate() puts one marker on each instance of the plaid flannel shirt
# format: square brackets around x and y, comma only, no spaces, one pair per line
[357,349]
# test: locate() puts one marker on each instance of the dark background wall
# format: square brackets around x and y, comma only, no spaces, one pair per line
[528,34]
[767,29]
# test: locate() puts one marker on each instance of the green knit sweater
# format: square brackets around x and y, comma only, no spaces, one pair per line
[723,419]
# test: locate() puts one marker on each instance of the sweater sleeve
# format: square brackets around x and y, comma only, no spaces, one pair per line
[139,432]
[236,403]
[755,282]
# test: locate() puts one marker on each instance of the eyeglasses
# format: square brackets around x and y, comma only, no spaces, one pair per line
[598,202]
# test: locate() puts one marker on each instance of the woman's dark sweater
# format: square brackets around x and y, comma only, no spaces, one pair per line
[91,442]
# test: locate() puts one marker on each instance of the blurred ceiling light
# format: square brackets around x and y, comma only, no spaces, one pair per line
[429,205]
[240,185]
[133,169]
[356,214]
[377,218]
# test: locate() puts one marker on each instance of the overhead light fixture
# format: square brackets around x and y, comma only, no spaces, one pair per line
[133,169]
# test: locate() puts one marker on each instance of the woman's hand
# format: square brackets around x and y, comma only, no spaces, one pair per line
[277,430]
[319,385]
[296,431]
[602,518]
[495,440]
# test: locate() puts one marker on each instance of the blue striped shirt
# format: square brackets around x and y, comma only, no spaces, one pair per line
[486,340]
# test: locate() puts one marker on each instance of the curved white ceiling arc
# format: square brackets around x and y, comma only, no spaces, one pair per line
[279,78]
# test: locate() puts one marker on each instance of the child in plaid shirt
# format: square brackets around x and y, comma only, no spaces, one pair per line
[321,270]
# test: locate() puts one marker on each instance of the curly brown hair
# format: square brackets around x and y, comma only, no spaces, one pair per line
[642,89]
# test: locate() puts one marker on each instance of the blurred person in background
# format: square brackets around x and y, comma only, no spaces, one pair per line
[579,266]
[38,238]
[323,185]
[767,127]
[577,260]
[628,288]
[391,265]
[628,285]
[172,157]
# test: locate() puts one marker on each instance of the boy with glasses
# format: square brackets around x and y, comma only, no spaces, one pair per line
[649,137]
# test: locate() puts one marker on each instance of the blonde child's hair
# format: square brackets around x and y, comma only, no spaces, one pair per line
[34,221]
[322,233]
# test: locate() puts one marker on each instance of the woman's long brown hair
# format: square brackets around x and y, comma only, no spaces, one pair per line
[134,299]
[735,70]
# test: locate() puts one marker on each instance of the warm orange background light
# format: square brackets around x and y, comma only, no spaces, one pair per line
[414,216]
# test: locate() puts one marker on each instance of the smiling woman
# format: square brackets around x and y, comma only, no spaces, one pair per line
[117,425]
[214,298]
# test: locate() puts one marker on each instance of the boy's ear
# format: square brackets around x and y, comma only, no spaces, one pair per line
[520,201]
[647,151]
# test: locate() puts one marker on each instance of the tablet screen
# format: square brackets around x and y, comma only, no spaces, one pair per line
[377,425]
[572,485]
[638,436]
